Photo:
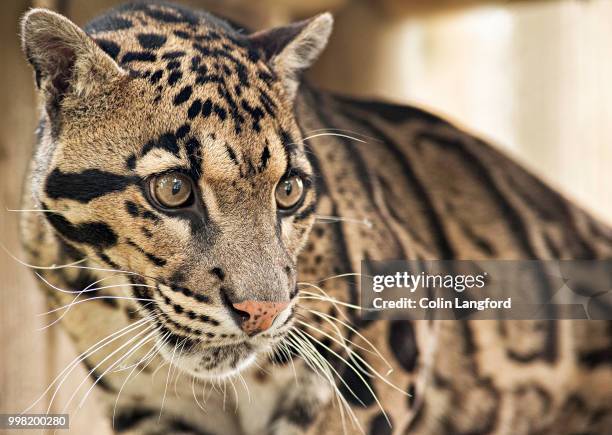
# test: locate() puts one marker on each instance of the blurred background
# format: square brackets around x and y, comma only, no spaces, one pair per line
[530,76]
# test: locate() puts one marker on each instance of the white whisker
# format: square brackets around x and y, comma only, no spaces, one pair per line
[335,301]
[128,329]
[342,130]
[135,366]
[170,367]
[346,136]
[102,362]
[324,219]
[32,210]
[118,361]
[77,360]
[31,266]
[312,358]
[95,298]
[195,396]
[355,370]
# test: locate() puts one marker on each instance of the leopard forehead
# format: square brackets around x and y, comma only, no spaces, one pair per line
[195,83]
[196,63]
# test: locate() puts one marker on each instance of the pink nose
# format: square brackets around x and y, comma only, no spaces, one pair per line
[258,315]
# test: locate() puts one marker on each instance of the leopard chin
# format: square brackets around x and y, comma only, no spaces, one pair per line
[211,362]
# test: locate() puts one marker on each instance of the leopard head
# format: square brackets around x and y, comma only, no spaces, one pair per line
[169,150]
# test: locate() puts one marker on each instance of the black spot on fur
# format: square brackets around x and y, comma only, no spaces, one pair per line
[174,77]
[300,414]
[265,157]
[173,55]
[267,103]
[181,34]
[129,418]
[241,72]
[130,162]
[150,216]
[182,96]
[220,112]
[254,55]
[109,47]
[596,358]
[232,154]
[138,56]
[267,78]
[148,234]
[194,153]
[379,425]
[255,112]
[151,41]
[402,342]
[182,131]
[156,76]
[97,378]
[166,142]
[82,281]
[105,259]
[175,64]
[85,186]
[358,385]
[207,108]
[411,395]
[182,16]
[177,425]
[194,109]
[131,208]
[153,258]
[195,63]
[287,141]
[218,272]
[204,299]
[97,234]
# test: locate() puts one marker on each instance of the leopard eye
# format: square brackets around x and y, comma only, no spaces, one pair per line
[171,190]
[289,192]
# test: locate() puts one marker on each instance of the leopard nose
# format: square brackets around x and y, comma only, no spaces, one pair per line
[257,316]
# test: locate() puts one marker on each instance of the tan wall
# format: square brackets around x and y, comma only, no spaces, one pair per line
[533,76]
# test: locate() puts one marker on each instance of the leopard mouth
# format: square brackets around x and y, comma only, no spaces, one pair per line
[213,353]
[206,360]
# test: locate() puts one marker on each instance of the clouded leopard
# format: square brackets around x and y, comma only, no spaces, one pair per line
[205,212]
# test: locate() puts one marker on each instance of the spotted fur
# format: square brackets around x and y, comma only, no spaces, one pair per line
[150,88]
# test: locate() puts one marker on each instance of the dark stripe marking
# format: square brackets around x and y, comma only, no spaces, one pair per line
[151,40]
[85,186]
[98,234]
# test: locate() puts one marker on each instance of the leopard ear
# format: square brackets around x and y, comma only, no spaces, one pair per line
[293,48]
[65,60]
